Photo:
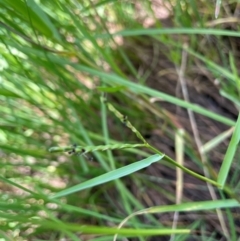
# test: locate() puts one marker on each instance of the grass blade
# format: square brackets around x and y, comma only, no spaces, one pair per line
[140,89]
[224,170]
[110,176]
[158,31]
[184,207]
[107,230]
[31,12]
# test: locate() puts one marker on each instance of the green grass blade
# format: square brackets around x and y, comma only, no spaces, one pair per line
[216,68]
[184,207]
[8,93]
[230,216]
[227,161]
[44,24]
[106,132]
[32,13]
[17,185]
[214,142]
[107,230]
[140,89]
[190,31]
[195,206]
[110,176]
[86,212]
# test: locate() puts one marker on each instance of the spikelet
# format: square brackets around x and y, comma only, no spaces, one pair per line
[126,122]
[86,149]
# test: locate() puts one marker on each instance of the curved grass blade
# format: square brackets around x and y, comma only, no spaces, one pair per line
[185,207]
[110,176]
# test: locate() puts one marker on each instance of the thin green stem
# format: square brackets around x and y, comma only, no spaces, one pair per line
[192,173]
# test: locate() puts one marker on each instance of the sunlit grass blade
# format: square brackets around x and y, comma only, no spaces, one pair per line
[32,13]
[110,176]
[8,93]
[228,159]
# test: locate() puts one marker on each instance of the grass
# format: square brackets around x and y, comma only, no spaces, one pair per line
[78,77]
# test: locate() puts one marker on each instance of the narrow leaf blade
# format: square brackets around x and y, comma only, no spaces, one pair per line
[110,176]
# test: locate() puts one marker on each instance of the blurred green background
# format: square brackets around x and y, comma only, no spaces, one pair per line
[170,68]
